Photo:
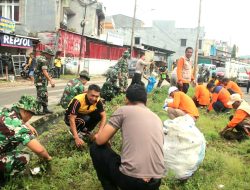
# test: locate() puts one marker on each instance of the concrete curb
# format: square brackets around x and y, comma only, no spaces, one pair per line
[46,118]
[27,83]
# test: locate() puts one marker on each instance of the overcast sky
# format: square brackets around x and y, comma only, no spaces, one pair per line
[223,19]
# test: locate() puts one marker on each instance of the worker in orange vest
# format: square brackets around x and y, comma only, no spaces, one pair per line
[185,70]
[182,104]
[240,121]
[231,86]
[220,98]
[202,95]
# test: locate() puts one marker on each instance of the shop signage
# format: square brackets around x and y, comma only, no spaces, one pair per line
[70,43]
[15,41]
[7,25]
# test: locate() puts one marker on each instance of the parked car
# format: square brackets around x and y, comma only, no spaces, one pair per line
[131,68]
[220,71]
[242,77]
[71,67]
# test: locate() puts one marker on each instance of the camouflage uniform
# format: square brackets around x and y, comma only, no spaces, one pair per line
[112,75]
[110,89]
[41,81]
[122,68]
[73,88]
[12,133]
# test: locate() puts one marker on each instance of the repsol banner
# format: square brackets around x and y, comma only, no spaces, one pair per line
[15,41]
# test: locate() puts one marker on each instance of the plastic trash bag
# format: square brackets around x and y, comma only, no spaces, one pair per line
[184,147]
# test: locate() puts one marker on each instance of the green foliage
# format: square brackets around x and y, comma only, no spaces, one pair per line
[68,76]
[226,163]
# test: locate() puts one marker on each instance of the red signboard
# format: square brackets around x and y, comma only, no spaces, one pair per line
[70,43]
[66,42]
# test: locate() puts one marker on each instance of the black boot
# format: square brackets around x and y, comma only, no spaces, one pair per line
[45,110]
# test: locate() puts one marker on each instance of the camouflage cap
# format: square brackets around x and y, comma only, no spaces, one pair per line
[85,75]
[126,53]
[49,51]
[27,103]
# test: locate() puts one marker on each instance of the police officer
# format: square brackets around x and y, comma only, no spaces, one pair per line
[13,132]
[122,69]
[84,112]
[73,88]
[42,77]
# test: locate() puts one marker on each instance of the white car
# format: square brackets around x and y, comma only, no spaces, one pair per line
[71,66]
[242,77]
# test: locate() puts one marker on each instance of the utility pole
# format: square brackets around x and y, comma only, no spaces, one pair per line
[80,52]
[197,42]
[133,30]
[83,26]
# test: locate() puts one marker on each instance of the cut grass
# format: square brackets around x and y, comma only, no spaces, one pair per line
[226,163]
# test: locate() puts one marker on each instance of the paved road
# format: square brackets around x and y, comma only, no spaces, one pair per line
[245,96]
[8,96]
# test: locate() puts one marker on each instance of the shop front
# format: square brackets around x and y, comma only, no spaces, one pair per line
[13,52]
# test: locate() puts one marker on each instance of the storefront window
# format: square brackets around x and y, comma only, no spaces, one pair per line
[10,9]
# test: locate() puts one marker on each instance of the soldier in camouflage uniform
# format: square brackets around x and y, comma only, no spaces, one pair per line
[14,131]
[74,87]
[42,77]
[110,89]
[122,69]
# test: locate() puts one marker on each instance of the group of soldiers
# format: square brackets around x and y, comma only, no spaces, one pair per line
[14,122]
[119,73]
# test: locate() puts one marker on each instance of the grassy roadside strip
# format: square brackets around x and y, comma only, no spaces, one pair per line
[226,163]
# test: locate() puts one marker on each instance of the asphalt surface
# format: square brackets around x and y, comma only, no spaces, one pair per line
[10,95]
[245,96]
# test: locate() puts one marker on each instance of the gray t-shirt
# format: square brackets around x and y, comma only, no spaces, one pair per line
[142,141]
[140,64]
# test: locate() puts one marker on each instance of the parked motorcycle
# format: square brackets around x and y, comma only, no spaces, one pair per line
[24,72]
[204,74]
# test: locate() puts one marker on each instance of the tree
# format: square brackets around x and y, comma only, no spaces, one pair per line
[233,54]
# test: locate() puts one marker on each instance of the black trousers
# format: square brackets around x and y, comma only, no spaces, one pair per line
[85,123]
[238,135]
[248,86]
[106,163]
[58,72]
[184,88]
[219,107]
[137,79]
[196,102]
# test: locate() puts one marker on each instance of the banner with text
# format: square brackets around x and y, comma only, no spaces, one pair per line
[7,25]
